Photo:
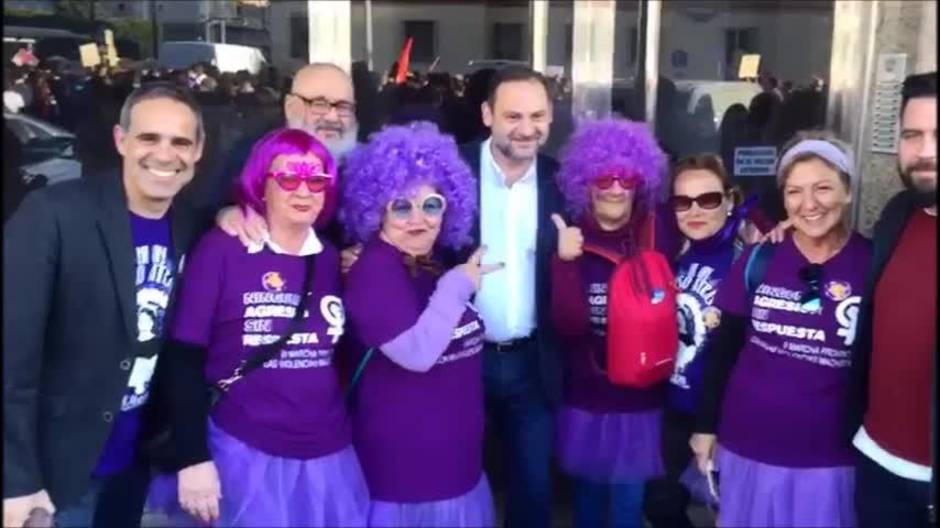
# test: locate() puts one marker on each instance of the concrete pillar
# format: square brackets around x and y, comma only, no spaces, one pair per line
[908,27]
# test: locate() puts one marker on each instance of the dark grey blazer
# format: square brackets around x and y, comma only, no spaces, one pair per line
[69,330]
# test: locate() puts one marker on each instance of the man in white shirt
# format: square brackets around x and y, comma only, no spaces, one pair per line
[521,368]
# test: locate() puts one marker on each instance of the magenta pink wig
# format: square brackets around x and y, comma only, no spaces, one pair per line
[284,142]
[611,146]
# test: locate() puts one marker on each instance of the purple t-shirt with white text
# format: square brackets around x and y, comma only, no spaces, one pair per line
[785,401]
[419,436]
[231,302]
[153,280]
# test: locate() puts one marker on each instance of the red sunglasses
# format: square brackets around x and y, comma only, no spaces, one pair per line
[290,181]
[605,182]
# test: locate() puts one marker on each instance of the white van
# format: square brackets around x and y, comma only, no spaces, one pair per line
[225,57]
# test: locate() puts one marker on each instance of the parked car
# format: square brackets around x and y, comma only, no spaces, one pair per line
[47,150]
[225,57]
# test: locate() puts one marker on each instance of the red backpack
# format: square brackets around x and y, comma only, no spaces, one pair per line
[642,334]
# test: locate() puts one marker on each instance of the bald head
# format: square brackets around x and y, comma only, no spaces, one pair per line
[324,74]
[322,102]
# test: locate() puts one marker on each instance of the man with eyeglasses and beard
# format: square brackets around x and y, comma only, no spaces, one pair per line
[892,408]
[321,102]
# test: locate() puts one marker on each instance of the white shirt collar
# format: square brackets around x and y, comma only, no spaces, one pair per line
[487,157]
[311,246]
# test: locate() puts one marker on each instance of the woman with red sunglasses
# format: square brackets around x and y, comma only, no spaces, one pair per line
[418,390]
[276,449]
[607,435]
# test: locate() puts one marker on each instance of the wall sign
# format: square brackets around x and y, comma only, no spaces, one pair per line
[755,161]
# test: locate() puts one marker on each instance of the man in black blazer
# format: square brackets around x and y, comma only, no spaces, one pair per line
[893,403]
[88,276]
[522,370]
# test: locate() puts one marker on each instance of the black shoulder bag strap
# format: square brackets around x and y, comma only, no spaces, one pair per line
[266,352]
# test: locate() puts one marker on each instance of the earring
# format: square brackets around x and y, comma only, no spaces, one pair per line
[730,211]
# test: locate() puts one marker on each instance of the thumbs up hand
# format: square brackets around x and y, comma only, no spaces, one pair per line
[570,239]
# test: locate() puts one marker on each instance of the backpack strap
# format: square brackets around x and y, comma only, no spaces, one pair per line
[358,374]
[605,254]
[756,267]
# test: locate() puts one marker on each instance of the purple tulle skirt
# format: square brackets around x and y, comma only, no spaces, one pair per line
[754,494]
[264,490]
[472,509]
[609,447]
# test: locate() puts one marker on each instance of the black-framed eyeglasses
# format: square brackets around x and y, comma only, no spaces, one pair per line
[322,106]
[811,275]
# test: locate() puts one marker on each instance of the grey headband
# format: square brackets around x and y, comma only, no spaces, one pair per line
[817,147]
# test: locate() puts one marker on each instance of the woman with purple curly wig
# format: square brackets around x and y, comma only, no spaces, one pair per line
[418,411]
[607,435]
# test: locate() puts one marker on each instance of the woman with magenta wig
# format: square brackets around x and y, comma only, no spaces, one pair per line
[418,396]
[276,450]
[607,435]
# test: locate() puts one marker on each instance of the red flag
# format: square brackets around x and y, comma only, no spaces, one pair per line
[403,61]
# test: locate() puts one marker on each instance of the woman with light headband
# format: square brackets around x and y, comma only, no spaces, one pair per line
[607,435]
[418,390]
[779,360]
[276,449]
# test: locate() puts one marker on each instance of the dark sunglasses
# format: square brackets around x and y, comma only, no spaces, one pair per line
[811,276]
[627,183]
[432,206]
[290,181]
[707,201]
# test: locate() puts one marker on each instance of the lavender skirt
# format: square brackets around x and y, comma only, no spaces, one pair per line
[609,447]
[754,494]
[472,509]
[264,490]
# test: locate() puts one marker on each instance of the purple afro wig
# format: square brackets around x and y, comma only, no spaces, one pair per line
[611,146]
[393,164]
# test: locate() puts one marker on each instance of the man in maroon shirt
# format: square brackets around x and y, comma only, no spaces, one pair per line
[894,397]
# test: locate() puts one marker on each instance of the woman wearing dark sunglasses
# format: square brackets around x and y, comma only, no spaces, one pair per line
[418,392]
[607,435]
[778,363]
[710,219]
[277,450]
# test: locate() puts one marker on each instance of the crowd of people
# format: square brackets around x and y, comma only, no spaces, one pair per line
[323,334]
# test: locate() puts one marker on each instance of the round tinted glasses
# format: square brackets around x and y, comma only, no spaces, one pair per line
[707,201]
[432,206]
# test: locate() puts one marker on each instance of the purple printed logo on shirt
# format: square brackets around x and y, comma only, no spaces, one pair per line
[711,316]
[838,290]
[272,281]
